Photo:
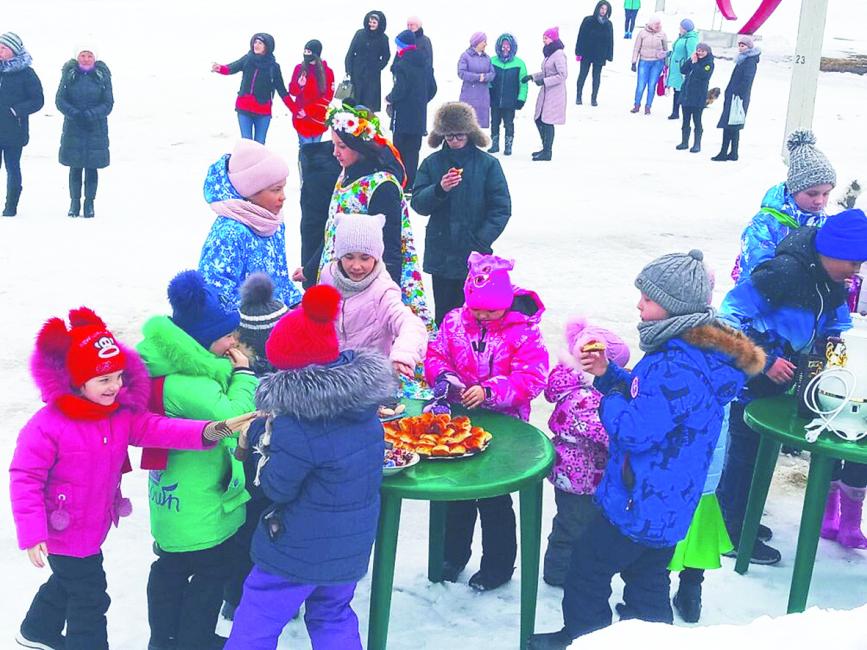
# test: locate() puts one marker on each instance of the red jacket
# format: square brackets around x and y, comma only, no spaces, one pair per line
[312,99]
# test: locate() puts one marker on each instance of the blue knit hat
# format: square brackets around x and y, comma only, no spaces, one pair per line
[405,39]
[844,236]
[687,25]
[196,309]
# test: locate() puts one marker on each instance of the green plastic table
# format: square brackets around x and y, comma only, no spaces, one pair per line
[517,460]
[776,420]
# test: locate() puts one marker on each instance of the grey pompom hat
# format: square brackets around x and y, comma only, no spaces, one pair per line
[677,282]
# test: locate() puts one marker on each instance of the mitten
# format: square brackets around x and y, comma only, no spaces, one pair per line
[526,78]
[578,57]
[520,104]
[539,81]
[633,68]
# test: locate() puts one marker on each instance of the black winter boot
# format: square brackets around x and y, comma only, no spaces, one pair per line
[724,150]
[696,145]
[91,180]
[495,144]
[684,138]
[687,602]
[11,207]
[675,106]
[736,140]
[547,143]
[550,641]
[507,151]
[74,192]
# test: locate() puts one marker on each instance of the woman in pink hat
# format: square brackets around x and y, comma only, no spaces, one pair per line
[551,102]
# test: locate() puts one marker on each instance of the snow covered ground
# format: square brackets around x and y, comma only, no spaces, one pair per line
[616,195]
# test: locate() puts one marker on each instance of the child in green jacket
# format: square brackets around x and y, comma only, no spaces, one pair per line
[196,499]
[508,92]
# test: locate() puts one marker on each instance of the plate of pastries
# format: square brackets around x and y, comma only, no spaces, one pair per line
[437,437]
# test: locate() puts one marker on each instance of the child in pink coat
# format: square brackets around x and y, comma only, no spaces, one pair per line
[67,467]
[580,441]
[488,354]
[372,314]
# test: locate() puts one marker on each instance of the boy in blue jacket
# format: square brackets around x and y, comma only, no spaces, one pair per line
[320,462]
[663,422]
[789,303]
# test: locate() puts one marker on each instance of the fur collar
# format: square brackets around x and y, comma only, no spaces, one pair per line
[355,382]
[17,63]
[71,70]
[747,356]
[52,378]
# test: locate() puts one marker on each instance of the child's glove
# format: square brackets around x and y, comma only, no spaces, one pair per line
[216,431]
[448,387]
[526,78]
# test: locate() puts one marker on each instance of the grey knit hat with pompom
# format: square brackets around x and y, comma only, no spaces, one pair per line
[260,312]
[808,166]
[678,283]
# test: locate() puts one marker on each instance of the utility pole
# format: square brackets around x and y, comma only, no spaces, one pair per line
[660,5]
[805,67]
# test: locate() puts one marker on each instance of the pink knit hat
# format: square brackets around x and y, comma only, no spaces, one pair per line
[477,38]
[579,334]
[253,168]
[488,285]
[553,33]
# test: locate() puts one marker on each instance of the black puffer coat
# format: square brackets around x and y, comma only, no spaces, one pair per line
[366,59]
[414,87]
[595,42]
[85,99]
[20,95]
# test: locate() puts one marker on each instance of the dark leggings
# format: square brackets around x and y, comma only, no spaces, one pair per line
[694,114]
[851,474]
[582,77]
[11,158]
[91,180]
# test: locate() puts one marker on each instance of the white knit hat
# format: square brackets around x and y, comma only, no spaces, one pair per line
[359,233]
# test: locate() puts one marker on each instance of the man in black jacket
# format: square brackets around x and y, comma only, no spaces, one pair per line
[464,192]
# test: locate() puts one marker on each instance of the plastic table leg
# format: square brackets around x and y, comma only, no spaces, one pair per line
[531,534]
[382,576]
[815,496]
[766,461]
[436,540]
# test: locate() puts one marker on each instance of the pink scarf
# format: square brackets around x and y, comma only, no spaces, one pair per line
[259,220]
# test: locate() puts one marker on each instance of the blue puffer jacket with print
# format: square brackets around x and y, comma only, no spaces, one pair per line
[663,422]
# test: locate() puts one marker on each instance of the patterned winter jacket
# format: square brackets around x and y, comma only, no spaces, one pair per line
[507,357]
[232,251]
[778,216]
[663,422]
[580,440]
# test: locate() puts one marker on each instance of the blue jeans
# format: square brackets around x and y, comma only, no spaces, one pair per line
[648,74]
[249,122]
[312,138]
[630,20]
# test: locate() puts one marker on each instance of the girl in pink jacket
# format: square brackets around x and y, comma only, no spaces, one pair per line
[67,467]
[372,314]
[580,441]
[488,354]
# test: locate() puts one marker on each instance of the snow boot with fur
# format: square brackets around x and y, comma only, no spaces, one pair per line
[831,518]
[851,504]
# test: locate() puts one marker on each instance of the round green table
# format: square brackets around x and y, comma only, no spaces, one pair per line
[776,421]
[517,460]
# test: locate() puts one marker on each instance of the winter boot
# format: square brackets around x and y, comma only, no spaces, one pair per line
[675,106]
[851,503]
[508,148]
[724,149]
[482,581]
[647,109]
[687,602]
[451,571]
[547,143]
[578,101]
[91,181]
[831,518]
[550,641]
[762,553]
[736,139]
[495,144]
[696,145]
[29,639]
[88,209]
[635,108]
[74,193]
[684,138]
[11,207]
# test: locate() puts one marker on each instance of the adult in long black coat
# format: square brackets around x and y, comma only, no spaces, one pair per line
[20,95]
[366,59]
[414,87]
[468,210]
[422,41]
[740,85]
[697,71]
[85,99]
[319,173]
[595,46]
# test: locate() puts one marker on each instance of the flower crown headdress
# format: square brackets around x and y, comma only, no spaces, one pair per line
[357,121]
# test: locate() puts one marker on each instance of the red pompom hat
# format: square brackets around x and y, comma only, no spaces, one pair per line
[306,335]
[88,348]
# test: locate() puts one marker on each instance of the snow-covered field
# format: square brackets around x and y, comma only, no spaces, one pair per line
[616,195]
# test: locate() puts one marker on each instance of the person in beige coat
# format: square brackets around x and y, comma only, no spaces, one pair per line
[551,102]
[648,59]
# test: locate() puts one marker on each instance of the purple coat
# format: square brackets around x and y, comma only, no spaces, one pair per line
[551,102]
[70,462]
[474,91]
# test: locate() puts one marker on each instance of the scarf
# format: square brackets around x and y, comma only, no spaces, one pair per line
[258,219]
[16,63]
[261,61]
[80,408]
[742,56]
[349,287]
[552,47]
[602,19]
[653,334]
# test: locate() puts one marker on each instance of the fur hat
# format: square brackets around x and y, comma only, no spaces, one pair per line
[197,310]
[359,233]
[579,334]
[87,347]
[259,312]
[456,117]
[253,168]
[488,285]
[13,42]
[307,335]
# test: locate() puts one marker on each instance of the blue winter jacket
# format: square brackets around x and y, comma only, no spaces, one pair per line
[663,422]
[232,251]
[777,217]
[323,469]
[788,302]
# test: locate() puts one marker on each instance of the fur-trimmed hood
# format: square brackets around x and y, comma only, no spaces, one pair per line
[71,70]
[456,117]
[53,380]
[355,382]
[747,356]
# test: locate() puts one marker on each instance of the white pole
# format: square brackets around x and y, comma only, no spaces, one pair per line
[805,67]
[660,5]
